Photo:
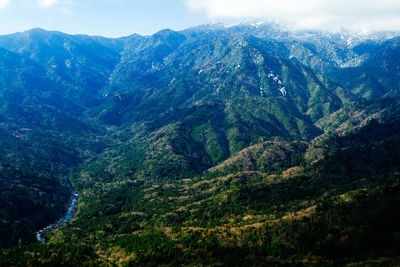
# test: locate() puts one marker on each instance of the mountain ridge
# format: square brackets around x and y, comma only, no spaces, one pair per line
[179,141]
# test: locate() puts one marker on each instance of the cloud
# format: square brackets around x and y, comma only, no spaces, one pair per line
[4,3]
[47,3]
[311,14]
[62,6]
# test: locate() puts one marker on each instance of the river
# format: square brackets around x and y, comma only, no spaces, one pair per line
[71,210]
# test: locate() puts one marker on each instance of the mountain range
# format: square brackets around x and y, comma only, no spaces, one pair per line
[215,145]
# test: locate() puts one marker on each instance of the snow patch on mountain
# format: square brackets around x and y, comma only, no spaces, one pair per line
[275,79]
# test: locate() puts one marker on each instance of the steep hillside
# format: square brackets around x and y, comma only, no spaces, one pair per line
[307,214]
[77,67]
[214,145]
[28,202]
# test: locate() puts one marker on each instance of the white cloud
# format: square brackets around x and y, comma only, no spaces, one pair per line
[4,3]
[316,14]
[47,3]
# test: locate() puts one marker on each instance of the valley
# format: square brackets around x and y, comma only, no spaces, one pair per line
[214,145]
[70,213]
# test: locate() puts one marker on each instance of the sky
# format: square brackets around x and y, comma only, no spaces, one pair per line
[115,18]
[111,18]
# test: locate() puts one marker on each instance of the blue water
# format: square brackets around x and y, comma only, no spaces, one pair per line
[71,210]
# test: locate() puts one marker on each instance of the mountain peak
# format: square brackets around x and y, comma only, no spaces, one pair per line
[36,30]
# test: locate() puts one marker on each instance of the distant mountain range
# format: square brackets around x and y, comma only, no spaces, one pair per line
[189,146]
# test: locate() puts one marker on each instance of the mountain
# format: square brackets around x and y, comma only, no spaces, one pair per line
[243,144]
[378,75]
[74,68]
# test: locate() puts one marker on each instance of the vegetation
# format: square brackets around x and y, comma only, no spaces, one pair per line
[200,147]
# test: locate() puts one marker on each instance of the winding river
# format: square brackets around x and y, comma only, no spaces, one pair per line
[71,210]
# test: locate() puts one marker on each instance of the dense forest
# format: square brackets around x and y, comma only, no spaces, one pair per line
[214,145]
